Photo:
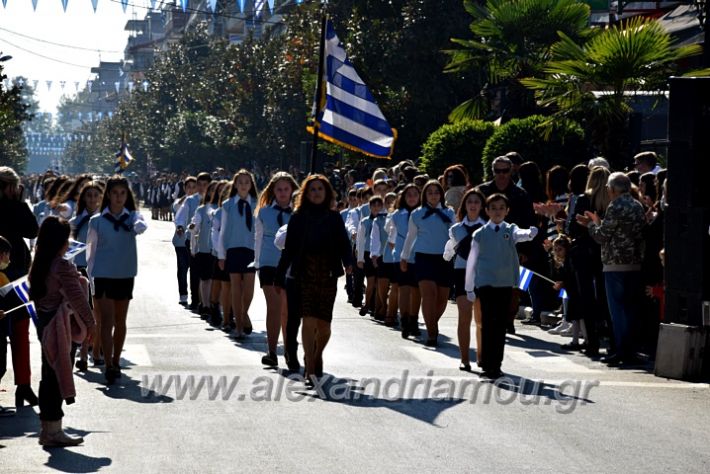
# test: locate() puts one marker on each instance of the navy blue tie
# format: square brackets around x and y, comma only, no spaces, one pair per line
[118,223]
[242,206]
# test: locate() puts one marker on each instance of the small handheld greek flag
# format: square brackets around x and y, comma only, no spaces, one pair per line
[525,278]
[123,158]
[19,288]
[346,113]
[75,248]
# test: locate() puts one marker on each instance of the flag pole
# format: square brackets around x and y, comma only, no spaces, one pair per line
[319,88]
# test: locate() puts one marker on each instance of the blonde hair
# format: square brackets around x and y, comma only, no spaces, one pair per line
[596,188]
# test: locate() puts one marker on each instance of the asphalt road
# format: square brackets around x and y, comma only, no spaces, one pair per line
[555,412]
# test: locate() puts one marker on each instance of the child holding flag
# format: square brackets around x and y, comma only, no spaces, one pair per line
[492,271]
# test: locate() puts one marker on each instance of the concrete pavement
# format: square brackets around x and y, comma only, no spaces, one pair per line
[390,405]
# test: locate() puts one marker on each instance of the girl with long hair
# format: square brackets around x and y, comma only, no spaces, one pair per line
[427,235]
[112,263]
[87,205]
[470,217]
[316,250]
[396,226]
[274,211]
[54,281]
[236,247]
[225,288]
[201,248]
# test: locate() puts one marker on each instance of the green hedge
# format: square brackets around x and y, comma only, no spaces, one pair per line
[565,146]
[456,143]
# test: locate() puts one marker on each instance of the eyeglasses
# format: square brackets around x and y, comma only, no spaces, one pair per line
[501,170]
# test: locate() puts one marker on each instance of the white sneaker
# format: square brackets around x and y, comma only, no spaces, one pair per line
[556,329]
[567,332]
[563,327]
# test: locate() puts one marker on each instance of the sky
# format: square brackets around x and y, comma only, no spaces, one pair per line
[101,34]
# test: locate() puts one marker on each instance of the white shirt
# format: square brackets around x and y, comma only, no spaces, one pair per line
[520,235]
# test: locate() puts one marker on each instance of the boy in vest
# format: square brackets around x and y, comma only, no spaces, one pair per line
[492,271]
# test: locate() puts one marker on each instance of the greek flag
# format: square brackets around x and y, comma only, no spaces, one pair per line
[346,113]
[75,248]
[123,158]
[525,278]
[19,288]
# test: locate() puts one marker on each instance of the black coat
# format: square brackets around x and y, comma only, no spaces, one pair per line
[17,222]
[308,229]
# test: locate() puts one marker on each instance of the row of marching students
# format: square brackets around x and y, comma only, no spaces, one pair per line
[106,219]
[236,232]
[406,256]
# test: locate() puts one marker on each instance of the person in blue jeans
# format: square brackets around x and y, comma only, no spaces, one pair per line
[621,239]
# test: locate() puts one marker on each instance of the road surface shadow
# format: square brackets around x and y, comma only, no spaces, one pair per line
[124,388]
[65,460]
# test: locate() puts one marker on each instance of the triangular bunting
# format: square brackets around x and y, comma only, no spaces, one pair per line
[271,6]
[34,5]
[183,4]
[124,4]
[64,5]
[94,3]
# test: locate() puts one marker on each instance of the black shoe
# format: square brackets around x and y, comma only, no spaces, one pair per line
[414,328]
[571,346]
[24,393]
[248,329]
[531,322]
[82,365]
[493,374]
[431,343]
[390,323]
[405,326]
[591,352]
[293,365]
[270,360]
[110,375]
[363,311]
[612,360]
[380,318]
[511,328]
[356,305]
[465,367]
[98,361]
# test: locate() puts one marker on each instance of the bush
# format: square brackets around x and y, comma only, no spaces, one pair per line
[456,143]
[527,136]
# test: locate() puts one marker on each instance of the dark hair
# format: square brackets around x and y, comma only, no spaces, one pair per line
[5,245]
[52,237]
[557,182]
[578,179]
[215,197]
[647,157]
[531,181]
[242,172]
[634,176]
[204,176]
[436,184]
[63,191]
[402,200]
[80,204]
[376,199]
[53,189]
[649,180]
[660,179]
[515,157]
[302,201]
[207,198]
[497,197]
[461,212]
[189,179]
[117,181]
[73,192]
[460,176]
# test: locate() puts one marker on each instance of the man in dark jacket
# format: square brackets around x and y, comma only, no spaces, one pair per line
[17,223]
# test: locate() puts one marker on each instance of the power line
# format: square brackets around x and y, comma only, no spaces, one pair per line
[82,66]
[58,44]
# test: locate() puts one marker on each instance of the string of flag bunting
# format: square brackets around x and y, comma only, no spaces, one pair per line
[259,5]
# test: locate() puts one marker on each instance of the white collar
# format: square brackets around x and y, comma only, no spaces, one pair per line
[467,222]
[123,211]
[275,204]
[493,225]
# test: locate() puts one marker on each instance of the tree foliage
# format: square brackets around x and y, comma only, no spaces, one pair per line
[13,114]
[460,142]
[564,146]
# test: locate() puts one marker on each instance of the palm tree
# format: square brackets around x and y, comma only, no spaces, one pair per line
[511,40]
[594,81]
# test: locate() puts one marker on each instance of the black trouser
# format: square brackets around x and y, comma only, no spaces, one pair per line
[495,314]
[293,322]
[183,264]
[50,398]
[4,325]
[358,277]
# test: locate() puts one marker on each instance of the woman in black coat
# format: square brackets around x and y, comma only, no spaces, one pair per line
[317,248]
[17,222]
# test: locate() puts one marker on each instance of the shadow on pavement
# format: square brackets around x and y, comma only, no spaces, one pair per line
[125,388]
[65,460]
[24,424]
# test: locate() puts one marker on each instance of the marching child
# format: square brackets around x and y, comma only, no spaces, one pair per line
[236,247]
[112,263]
[492,271]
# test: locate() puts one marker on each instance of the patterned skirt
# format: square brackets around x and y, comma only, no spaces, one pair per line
[318,288]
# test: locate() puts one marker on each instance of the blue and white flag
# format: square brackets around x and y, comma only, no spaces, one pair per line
[28,308]
[19,288]
[123,158]
[346,113]
[563,294]
[525,278]
[75,248]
